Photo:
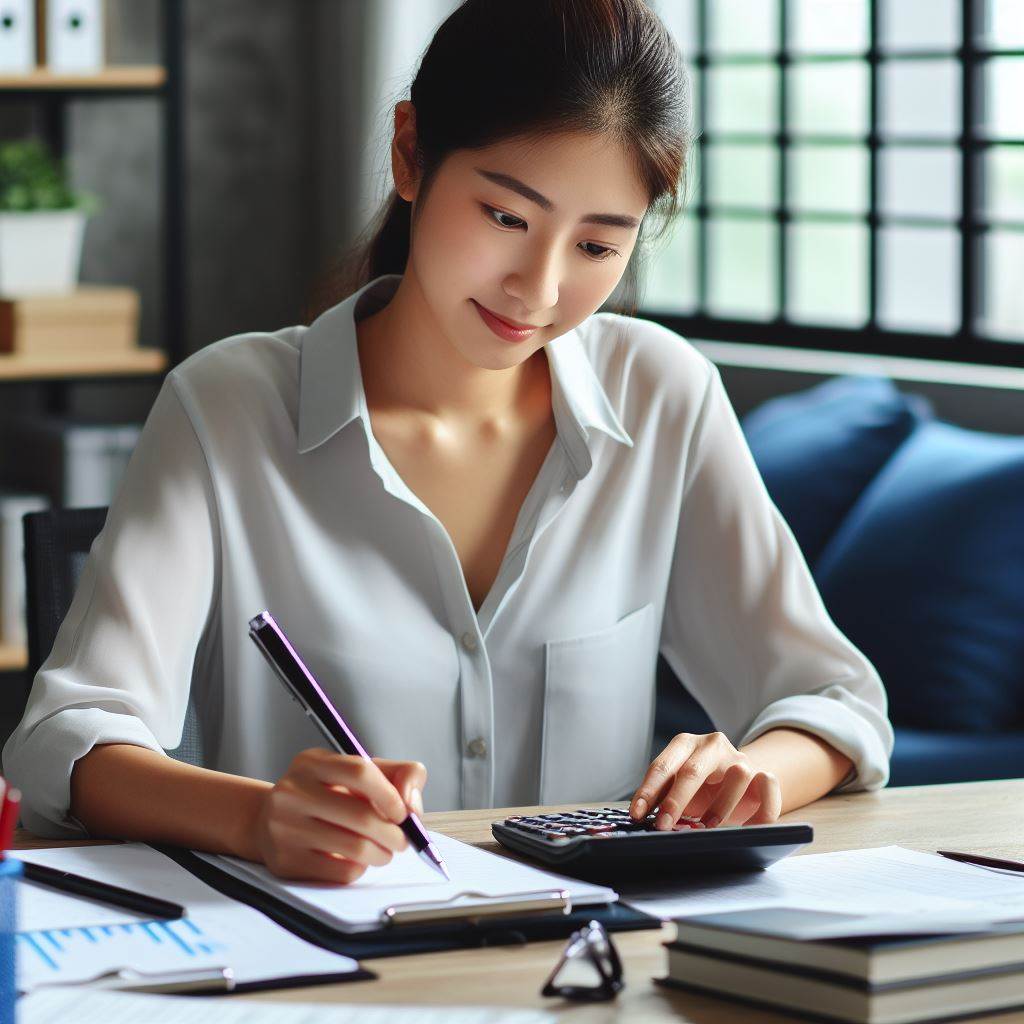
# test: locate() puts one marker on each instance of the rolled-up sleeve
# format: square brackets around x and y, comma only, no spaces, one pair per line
[745,627]
[121,666]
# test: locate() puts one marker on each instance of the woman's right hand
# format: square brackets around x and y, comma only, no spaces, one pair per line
[331,816]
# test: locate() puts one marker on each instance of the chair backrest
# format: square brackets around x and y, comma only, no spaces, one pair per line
[57,544]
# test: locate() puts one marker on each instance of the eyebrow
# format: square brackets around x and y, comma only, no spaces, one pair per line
[614,220]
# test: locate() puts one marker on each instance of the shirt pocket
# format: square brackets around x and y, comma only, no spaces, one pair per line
[598,712]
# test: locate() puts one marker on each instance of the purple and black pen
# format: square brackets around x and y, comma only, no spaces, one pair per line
[304,688]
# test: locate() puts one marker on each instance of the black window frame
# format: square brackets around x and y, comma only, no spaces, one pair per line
[967,344]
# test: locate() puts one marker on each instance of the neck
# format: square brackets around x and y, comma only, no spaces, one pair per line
[409,364]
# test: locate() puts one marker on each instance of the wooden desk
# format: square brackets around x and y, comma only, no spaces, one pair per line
[978,816]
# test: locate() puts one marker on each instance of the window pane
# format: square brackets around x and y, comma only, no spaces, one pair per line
[1004,87]
[916,25]
[828,179]
[919,181]
[920,98]
[1004,182]
[743,26]
[743,99]
[1003,272]
[830,26]
[828,273]
[742,268]
[743,175]
[1004,23]
[829,98]
[671,281]
[680,18]
[919,279]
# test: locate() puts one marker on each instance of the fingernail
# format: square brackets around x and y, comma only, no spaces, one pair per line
[639,807]
[416,799]
[665,821]
[711,820]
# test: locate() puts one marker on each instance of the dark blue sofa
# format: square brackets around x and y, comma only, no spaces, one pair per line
[913,529]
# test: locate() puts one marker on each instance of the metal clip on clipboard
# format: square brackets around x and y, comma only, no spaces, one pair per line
[540,901]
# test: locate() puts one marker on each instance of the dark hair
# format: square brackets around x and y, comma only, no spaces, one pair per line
[603,67]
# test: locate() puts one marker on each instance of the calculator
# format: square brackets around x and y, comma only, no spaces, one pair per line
[606,845]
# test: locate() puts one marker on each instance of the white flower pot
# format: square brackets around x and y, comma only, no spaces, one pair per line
[40,251]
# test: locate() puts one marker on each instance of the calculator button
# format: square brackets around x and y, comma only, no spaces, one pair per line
[597,830]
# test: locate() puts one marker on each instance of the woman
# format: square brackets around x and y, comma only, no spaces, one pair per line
[478,538]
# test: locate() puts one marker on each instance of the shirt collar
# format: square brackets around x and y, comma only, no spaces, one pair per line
[331,386]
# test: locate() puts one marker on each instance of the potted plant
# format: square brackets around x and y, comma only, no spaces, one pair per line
[42,221]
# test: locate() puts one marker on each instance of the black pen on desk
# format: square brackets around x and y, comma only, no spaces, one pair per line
[300,683]
[982,861]
[103,892]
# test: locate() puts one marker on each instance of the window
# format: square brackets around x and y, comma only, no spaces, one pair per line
[859,177]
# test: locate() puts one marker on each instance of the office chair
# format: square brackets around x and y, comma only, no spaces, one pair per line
[57,544]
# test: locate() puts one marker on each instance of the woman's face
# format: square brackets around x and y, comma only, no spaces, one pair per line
[478,239]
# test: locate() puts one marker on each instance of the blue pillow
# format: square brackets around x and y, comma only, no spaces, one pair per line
[926,577]
[818,449]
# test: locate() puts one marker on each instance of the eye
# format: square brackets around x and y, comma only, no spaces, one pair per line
[493,213]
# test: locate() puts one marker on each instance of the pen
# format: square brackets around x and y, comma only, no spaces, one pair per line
[104,892]
[987,862]
[299,682]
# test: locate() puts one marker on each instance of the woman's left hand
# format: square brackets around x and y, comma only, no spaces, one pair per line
[705,776]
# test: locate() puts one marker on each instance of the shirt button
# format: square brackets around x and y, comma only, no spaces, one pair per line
[477,748]
[469,641]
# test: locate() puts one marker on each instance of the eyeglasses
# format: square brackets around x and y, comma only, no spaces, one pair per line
[589,968]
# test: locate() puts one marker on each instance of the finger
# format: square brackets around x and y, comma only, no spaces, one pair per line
[316,834]
[689,779]
[770,792]
[660,774]
[408,777]
[353,813]
[737,780]
[358,775]
[317,866]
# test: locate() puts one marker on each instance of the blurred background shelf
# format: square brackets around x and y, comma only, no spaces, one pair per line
[13,658]
[87,364]
[114,77]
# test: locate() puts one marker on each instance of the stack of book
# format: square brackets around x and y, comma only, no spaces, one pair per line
[752,956]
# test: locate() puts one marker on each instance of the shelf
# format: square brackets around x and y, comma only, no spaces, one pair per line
[64,365]
[13,658]
[114,77]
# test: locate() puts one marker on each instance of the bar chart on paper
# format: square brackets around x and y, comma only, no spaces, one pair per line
[77,954]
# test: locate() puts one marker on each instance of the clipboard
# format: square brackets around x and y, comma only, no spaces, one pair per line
[426,927]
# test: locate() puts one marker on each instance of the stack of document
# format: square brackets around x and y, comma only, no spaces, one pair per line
[64,939]
[877,936]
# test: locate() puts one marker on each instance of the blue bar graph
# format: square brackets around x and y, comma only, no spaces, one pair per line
[50,950]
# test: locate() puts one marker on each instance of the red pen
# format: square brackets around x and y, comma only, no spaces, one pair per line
[9,817]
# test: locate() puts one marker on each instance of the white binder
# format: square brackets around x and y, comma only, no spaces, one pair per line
[73,39]
[17,36]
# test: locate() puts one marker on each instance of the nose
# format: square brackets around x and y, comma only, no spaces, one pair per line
[535,286]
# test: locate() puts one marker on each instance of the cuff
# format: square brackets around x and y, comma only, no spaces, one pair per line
[852,726]
[41,765]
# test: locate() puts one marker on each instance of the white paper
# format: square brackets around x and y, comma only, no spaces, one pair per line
[73,946]
[902,887]
[133,866]
[406,879]
[129,1008]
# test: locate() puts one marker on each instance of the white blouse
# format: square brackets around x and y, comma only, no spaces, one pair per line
[257,484]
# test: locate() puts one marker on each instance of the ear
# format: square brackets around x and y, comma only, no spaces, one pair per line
[403,149]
